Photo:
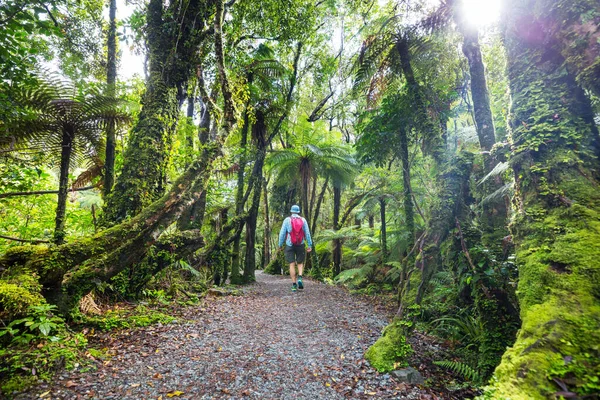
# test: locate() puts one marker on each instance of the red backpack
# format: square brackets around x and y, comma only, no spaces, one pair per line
[297,233]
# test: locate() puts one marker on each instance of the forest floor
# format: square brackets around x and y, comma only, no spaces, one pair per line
[268,343]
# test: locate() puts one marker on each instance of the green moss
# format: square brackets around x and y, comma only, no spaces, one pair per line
[17,294]
[391,350]
[558,290]
[122,319]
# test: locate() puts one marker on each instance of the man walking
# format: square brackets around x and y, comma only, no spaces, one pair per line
[295,232]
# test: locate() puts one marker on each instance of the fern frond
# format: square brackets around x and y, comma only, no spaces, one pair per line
[498,169]
[499,194]
[463,370]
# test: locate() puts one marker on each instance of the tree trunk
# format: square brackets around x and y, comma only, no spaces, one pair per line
[305,176]
[239,200]
[337,243]
[409,214]
[313,227]
[383,234]
[454,182]
[143,176]
[313,195]
[484,121]
[111,80]
[267,232]
[228,108]
[557,227]
[194,216]
[259,134]
[191,103]
[63,187]
[576,26]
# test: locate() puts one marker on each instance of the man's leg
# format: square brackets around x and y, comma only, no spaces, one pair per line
[291,259]
[300,269]
[293,271]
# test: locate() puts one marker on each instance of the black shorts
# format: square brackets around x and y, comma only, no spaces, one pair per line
[295,253]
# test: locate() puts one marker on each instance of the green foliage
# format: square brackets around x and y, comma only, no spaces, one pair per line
[38,324]
[355,277]
[466,329]
[463,370]
[37,346]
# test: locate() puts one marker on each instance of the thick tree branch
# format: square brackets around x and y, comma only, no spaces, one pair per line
[15,194]
[316,114]
[35,241]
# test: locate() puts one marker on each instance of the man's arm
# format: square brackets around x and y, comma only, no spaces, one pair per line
[307,234]
[282,233]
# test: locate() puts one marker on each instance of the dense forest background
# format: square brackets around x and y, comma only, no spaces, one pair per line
[444,156]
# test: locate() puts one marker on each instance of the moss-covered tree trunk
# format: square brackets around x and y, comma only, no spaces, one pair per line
[111,80]
[409,214]
[236,257]
[259,135]
[383,229]
[576,26]
[63,185]
[171,56]
[557,227]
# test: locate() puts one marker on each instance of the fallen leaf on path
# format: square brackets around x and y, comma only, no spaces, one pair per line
[70,384]
[134,385]
[44,394]
[175,393]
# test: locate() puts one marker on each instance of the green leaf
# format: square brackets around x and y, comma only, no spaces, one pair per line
[45,328]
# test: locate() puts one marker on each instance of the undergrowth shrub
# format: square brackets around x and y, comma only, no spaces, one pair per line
[35,347]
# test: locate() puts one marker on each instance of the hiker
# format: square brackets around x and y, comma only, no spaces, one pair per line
[295,232]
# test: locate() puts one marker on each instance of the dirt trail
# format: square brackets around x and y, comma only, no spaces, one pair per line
[269,343]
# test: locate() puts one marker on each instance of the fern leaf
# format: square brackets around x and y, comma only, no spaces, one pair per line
[463,370]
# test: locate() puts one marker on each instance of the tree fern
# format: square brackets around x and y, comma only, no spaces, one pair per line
[463,370]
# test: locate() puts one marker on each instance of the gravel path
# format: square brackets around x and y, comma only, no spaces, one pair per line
[269,343]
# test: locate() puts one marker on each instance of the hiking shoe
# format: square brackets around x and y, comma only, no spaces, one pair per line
[300,284]
[294,287]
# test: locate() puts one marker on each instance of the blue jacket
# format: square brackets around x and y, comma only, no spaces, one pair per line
[286,228]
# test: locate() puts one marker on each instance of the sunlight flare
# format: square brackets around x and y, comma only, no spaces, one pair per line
[481,12]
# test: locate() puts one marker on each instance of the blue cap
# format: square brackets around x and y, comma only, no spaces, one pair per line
[295,209]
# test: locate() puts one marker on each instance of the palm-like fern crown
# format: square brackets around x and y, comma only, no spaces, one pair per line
[378,65]
[264,73]
[316,156]
[54,108]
